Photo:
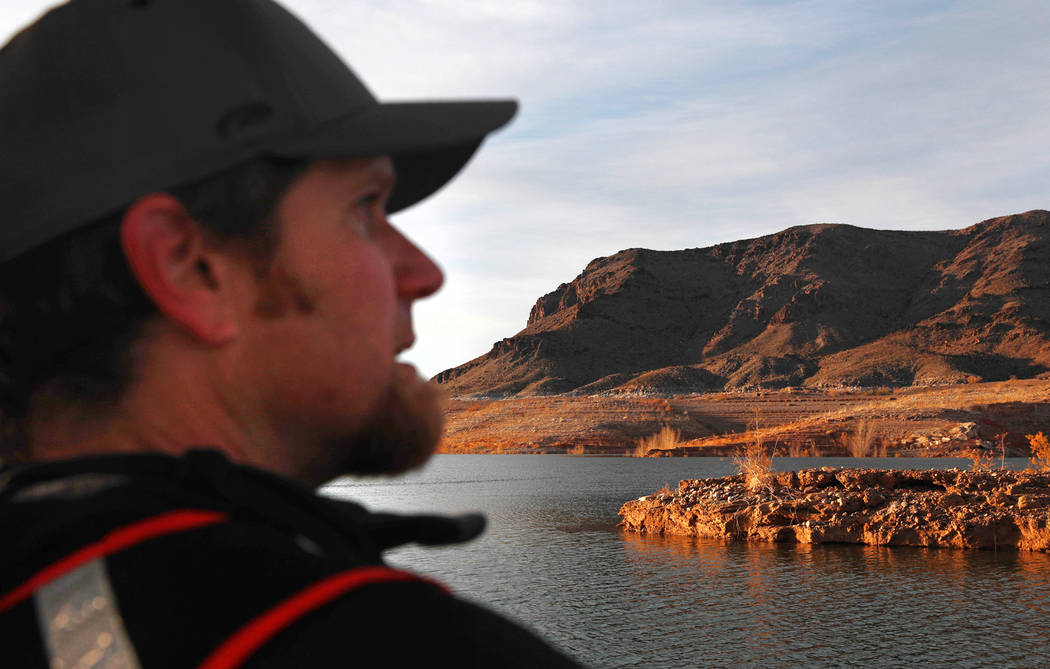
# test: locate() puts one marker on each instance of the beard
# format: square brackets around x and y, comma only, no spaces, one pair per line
[403,432]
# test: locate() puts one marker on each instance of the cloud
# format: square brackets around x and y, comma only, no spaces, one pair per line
[682,124]
[743,121]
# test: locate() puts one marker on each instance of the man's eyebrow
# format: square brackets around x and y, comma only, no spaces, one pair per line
[383,177]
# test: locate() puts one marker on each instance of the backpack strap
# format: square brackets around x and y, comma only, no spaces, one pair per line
[76,609]
[236,650]
[113,542]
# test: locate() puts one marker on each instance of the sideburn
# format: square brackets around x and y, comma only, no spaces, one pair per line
[280,291]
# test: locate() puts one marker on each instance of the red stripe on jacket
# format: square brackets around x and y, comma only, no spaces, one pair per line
[255,633]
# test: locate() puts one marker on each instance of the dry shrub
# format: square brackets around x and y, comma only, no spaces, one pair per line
[981,460]
[666,439]
[575,450]
[861,442]
[755,461]
[796,449]
[1040,451]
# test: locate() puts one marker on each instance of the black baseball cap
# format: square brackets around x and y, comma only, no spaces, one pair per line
[104,101]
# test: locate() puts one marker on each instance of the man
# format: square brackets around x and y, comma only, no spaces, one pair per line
[202,304]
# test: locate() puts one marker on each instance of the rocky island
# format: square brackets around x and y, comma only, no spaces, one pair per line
[994,509]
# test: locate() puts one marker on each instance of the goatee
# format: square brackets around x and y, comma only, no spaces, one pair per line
[404,432]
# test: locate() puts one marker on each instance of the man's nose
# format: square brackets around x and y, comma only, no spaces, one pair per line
[416,274]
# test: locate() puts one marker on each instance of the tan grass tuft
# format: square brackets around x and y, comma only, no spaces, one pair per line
[981,460]
[984,461]
[666,439]
[754,460]
[861,442]
[1040,451]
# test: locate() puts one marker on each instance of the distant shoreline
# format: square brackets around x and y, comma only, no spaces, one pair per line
[939,421]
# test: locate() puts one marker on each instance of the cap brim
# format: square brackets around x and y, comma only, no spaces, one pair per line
[429,142]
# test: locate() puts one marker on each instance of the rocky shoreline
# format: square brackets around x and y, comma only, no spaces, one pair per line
[933,508]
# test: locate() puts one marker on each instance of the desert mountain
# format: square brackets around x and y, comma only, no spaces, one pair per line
[814,306]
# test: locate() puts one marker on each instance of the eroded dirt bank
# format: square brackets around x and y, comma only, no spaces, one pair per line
[962,509]
[920,422]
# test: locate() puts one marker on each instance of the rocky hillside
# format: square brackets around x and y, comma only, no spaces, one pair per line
[812,306]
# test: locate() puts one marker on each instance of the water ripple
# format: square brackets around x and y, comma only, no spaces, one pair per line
[554,560]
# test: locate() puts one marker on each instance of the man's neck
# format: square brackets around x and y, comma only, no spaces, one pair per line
[173,406]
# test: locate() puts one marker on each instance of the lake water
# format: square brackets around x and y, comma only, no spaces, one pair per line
[554,560]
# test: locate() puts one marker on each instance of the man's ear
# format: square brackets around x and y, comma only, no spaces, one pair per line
[169,255]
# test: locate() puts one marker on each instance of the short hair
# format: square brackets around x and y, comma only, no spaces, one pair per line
[71,311]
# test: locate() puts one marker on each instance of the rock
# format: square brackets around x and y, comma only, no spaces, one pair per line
[1000,499]
[850,503]
[964,431]
[1032,502]
[873,498]
[994,510]
[815,478]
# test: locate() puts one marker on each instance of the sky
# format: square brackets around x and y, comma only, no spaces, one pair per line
[670,125]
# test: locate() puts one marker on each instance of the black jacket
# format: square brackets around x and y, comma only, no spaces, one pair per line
[167,562]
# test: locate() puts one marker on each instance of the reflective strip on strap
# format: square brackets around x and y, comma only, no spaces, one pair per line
[69,487]
[238,648]
[80,623]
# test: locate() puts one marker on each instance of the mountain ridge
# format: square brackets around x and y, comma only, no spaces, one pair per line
[820,305]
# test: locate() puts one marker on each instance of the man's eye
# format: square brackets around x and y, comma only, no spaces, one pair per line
[375,203]
[369,200]
[368,213]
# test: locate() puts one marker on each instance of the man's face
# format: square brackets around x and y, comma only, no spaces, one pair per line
[328,318]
